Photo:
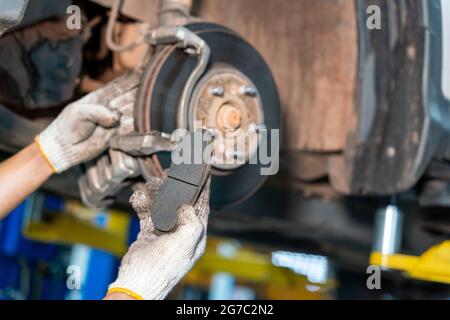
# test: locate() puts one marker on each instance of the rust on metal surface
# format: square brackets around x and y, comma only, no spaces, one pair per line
[311,47]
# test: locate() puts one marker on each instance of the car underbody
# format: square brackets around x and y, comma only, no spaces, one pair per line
[363,113]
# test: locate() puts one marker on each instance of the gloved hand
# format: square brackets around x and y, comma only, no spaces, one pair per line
[157,261]
[80,133]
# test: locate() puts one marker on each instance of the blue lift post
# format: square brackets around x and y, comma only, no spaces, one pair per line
[102,267]
[23,262]
[19,256]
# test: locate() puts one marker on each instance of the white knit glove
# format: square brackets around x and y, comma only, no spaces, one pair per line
[157,261]
[80,133]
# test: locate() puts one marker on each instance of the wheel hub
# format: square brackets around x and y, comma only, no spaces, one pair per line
[226,100]
[234,96]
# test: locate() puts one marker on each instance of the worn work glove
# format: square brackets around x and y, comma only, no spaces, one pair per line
[80,133]
[157,261]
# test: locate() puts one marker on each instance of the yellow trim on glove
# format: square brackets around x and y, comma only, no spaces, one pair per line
[127,292]
[38,144]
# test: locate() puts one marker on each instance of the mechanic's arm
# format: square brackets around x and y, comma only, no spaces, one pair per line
[20,175]
[80,133]
[157,261]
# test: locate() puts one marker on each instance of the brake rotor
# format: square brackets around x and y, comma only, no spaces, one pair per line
[237,91]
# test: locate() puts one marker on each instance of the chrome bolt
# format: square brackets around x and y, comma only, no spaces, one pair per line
[218,91]
[248,91]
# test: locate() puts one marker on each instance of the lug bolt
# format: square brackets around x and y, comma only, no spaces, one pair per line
[217,91]
[248,91]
